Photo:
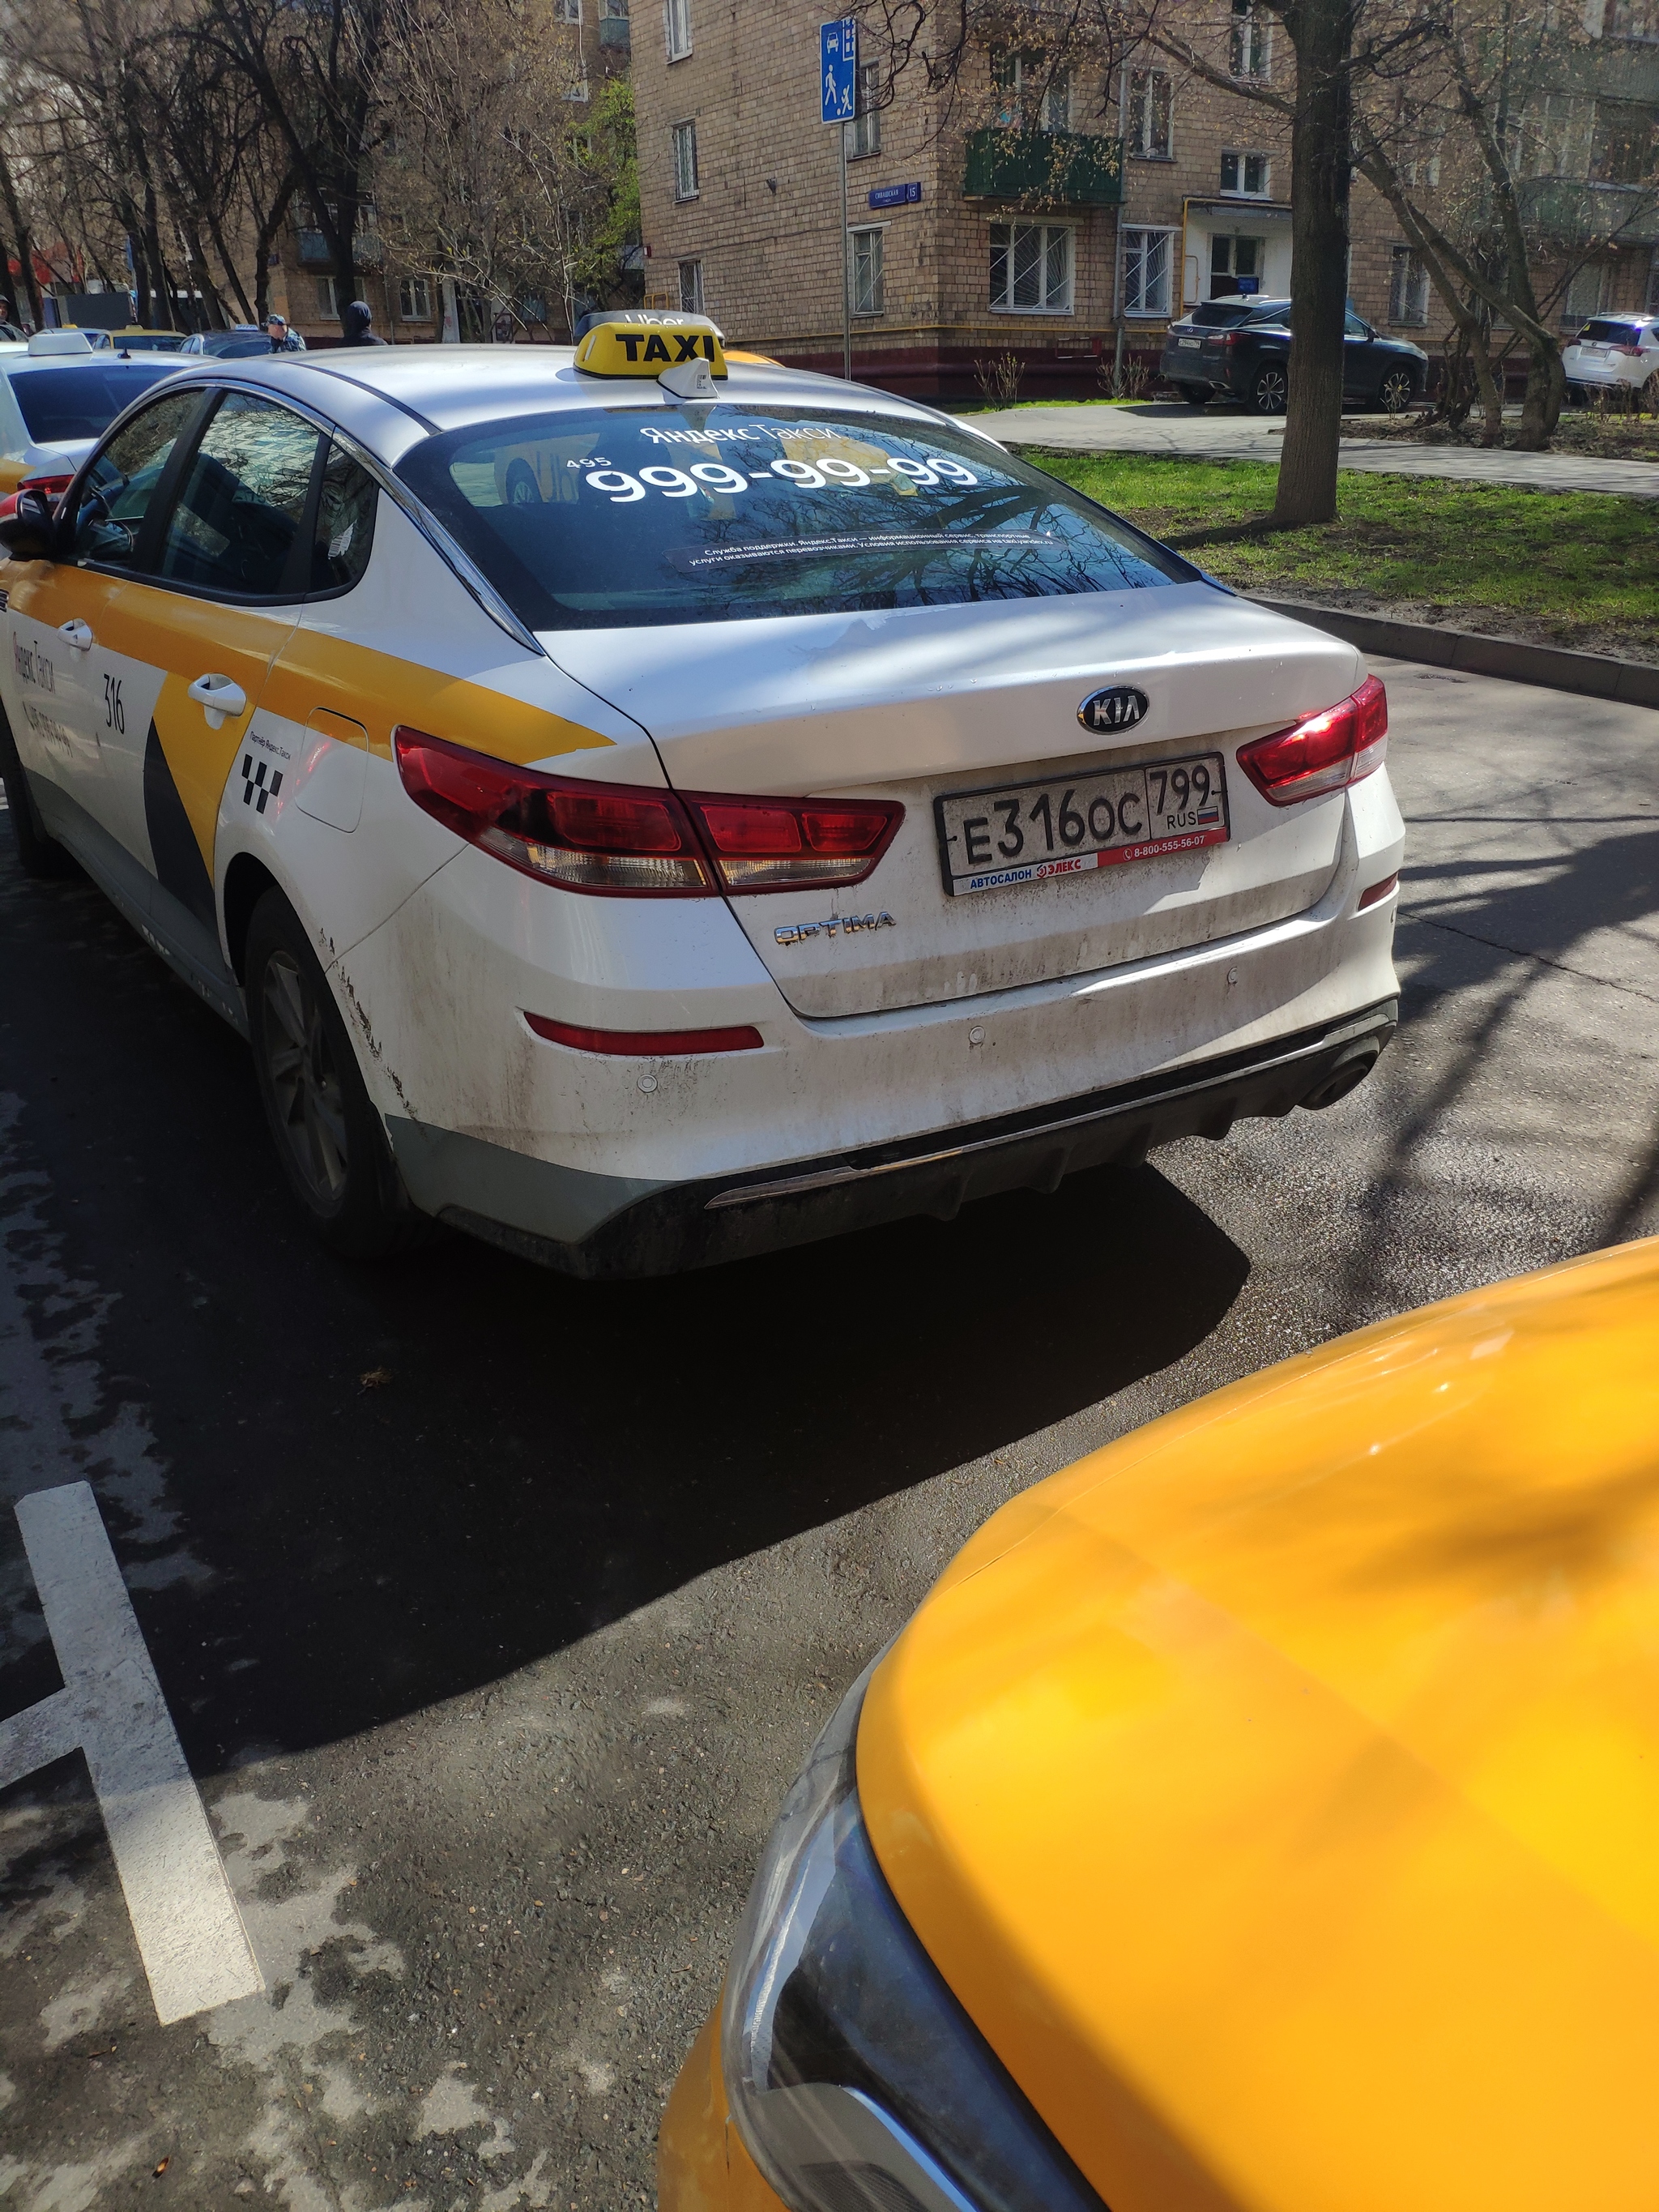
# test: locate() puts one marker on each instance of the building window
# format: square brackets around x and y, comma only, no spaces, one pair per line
[1249,49]
[613,11]
[1408,289]
[864,132]
[568,11]
[1621,152]
[327,306]
[1630,19]
[577,90]
[867,292]
[1246,174]
[1057,102]
[415,300]
[677,29]
[1148,256]
[691,287]
[1584,292]
[1031,267]
[685,161]
[1152,110]
[1236,267]
[1653,283]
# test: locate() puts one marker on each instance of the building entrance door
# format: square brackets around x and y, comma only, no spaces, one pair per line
[1235,265]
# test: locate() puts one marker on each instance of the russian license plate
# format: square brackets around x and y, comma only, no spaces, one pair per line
[1132,811]
[1192,344]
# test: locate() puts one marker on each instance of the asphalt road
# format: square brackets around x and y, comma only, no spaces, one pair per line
[495,1612]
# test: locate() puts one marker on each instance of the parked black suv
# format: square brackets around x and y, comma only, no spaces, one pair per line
[1240,349]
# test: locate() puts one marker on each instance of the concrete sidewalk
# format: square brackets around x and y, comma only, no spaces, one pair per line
[1161,427]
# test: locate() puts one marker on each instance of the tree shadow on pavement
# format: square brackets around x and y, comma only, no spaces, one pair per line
[529,1457]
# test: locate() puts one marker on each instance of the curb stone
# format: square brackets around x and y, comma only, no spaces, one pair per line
[1594,675]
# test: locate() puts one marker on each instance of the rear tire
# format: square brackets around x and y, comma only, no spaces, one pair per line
[522,490]
[38,854]
[1270,393]
[327,1131]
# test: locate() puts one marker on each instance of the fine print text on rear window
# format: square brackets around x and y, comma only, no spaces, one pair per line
[615,516]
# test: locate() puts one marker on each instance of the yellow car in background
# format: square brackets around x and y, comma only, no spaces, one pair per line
[1262,1813]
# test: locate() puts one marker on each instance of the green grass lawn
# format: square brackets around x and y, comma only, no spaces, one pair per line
[1573,569]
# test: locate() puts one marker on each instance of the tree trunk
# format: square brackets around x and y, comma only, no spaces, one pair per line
[1321,33]
[19,231]
[1547,387]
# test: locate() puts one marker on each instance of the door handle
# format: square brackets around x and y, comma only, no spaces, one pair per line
[218,697]
[77,635]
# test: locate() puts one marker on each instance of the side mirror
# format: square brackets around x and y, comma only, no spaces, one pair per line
[29,532]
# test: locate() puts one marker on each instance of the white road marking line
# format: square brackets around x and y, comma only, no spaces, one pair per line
[189,1932]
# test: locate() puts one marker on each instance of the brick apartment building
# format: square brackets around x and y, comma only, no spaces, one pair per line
[1061,222]
[417,309]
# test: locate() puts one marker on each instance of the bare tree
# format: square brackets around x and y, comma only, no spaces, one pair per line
[503,174]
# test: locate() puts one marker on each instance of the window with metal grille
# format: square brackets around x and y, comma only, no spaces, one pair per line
[1031,267]
[691,287]
[1148,256]
[867,278]
[685,161]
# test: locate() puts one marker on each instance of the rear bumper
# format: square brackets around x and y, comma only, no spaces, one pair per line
[529,1206]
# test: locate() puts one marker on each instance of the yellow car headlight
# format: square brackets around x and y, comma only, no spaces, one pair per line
[858,2082]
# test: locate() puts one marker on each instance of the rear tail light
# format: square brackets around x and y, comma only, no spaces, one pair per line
[1322,753]
[793,844]
[598,838]
[52,489]
[628,841]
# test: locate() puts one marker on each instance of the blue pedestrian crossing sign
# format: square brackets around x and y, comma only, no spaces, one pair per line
[838,69]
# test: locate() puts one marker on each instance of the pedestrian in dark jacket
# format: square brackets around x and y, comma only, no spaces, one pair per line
[355,324]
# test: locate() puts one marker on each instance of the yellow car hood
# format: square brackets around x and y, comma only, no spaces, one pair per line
[1279,1788]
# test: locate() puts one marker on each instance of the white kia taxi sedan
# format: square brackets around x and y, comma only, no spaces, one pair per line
[651,806]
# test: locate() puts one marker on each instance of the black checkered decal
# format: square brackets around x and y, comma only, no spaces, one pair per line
[255,789]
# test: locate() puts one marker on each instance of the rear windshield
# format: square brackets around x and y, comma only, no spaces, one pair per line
[1212,317]
[653,513]
[62,404]
[1605,333]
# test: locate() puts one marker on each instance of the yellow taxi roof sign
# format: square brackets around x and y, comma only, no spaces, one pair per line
[639,342]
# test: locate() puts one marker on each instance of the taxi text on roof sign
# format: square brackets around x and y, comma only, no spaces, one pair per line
[650,344]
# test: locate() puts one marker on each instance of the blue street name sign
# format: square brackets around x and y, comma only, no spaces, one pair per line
[838,69]
[896,196]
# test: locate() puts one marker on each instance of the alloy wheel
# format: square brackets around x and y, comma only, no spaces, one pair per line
[1397,390]
[304,1081]
[1271,392]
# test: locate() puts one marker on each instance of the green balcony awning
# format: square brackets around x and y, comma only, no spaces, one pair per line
[1045,168]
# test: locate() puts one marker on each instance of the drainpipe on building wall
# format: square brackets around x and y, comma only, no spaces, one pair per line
[451,334]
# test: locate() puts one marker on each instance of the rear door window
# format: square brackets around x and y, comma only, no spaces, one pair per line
[345,531]
[605,517]
[236,526]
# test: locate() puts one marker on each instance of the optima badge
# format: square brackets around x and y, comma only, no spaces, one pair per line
[796,933]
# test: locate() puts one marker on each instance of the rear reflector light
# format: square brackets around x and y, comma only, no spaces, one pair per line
[1378,891]
[645,1045]
[631,841]
[1322,753]
[602,837]
[793,844]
